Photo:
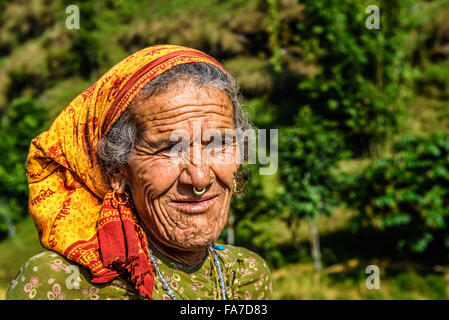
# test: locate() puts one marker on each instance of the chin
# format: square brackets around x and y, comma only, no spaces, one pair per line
[201,231]
[195,241]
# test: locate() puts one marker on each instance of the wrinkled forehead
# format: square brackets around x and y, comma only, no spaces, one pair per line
[182,105]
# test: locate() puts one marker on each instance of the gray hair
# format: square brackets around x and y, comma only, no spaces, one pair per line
[114,148]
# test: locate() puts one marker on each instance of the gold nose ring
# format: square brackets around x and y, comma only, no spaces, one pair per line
[199,192]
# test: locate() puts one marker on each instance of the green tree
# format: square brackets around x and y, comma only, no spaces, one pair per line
[360,72]
[307,154]
[22,120]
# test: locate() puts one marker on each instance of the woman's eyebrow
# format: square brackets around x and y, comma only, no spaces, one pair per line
[161,142]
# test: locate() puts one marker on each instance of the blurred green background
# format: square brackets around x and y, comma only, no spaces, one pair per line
[363,119]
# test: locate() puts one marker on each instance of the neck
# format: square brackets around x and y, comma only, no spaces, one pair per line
[188,258]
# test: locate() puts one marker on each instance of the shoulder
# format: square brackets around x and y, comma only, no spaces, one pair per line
[45,271]
[50,276]
[243,255]
[45,260]
[248,273]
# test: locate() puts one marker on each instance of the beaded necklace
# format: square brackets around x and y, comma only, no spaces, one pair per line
[161,277]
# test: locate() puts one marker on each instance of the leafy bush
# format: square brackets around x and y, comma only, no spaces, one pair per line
[307,153]
[407,192]
[22,120]
[361,71]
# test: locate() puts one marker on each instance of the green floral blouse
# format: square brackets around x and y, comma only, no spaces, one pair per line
[50,276]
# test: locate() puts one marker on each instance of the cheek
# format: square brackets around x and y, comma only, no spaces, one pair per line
[227,166]
[225,173]
[153,177]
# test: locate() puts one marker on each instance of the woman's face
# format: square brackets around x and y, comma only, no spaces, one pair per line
[162,188]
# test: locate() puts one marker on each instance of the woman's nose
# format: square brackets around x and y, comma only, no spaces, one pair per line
[197,175]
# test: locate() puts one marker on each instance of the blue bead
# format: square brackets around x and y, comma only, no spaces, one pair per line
[221,248]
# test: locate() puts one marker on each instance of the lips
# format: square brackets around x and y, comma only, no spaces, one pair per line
[193,205]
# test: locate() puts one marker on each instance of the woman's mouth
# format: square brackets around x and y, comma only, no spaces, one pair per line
[193,205]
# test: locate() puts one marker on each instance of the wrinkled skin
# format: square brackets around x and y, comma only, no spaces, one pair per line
[179,223]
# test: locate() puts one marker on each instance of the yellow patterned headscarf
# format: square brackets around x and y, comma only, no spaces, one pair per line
[69,200]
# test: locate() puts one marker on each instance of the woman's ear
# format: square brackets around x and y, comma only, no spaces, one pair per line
[118,183]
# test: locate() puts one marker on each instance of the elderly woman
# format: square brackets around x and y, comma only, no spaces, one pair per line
[121,217]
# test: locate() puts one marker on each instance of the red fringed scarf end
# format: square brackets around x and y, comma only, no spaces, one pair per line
[124,246]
